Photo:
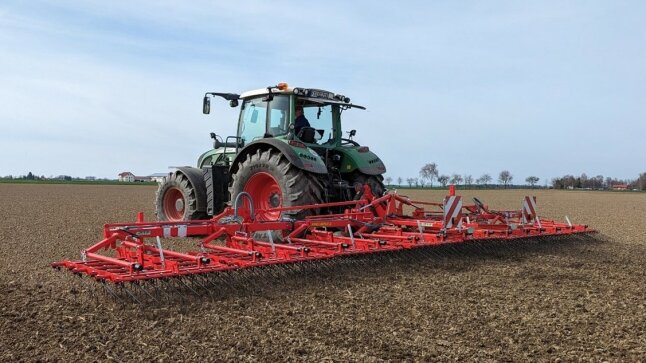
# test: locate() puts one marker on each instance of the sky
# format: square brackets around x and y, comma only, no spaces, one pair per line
[541,88]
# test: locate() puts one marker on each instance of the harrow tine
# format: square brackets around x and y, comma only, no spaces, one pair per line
[113,293]
[156,290]
[137,284]
[171,283]
[181,279]
[226,280]
[212,281]
[131,295]
[195,279]
[162,290]
[89,288]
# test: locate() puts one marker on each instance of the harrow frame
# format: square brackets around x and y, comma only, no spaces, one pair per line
[234,239]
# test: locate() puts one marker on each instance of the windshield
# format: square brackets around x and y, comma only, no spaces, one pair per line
[252,122]
[278,120]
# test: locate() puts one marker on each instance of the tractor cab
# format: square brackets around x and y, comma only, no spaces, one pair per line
[272,113]
[288,151]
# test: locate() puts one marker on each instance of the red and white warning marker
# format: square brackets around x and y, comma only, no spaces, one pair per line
[452,212]
[529,210]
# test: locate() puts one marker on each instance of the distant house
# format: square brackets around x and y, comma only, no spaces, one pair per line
[90,178]
[620,187]
[126,176]
[158,177]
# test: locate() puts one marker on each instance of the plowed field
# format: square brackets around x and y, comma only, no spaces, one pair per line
[583,299]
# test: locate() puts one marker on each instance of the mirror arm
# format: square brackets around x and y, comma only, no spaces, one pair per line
[226,96]
[231,97]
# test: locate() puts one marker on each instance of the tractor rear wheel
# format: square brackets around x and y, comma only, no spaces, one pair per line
[176,199]
[272,181]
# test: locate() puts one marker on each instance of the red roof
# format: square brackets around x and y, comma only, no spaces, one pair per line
[126,173]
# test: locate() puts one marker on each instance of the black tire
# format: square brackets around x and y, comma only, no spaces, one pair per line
[376,183]
[176,199]
[297,187]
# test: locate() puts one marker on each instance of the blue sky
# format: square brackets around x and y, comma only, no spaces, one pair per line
[538,88]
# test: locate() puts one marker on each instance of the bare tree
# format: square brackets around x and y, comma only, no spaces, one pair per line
[485,178]
[389,180]
[422,182]
[456,179]
[468,179]
[598,181]
[416,181]
[443,179]
[532,180]
[409,181]
[399,180]
[505,177]
[585,181]
[429,172]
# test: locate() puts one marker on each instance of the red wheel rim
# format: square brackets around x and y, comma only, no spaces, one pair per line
[174,204]
[266,194]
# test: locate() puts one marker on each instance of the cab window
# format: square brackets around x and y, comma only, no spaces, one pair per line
[320,118]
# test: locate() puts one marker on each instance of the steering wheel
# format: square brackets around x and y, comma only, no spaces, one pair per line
[349,142]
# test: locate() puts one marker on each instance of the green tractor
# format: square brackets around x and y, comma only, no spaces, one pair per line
[288,151]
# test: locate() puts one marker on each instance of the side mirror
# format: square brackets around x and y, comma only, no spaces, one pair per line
[233,103]
[353,132]
[206,105]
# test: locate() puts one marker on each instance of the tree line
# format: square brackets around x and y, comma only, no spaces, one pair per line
[584,181]
[32,176]
[429,174]
[35,177]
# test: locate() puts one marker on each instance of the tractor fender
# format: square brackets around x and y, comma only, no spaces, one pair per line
[366,162]
[312,164]
[195,176]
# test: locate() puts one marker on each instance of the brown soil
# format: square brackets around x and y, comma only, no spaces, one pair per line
[580,299]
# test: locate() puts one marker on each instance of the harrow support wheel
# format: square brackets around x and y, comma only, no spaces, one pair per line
[272,181]
[176,200]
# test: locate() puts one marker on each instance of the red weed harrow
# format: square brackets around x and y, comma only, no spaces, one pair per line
[238,239]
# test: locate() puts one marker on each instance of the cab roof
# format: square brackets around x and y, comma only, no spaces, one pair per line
[263,91]
[311,94]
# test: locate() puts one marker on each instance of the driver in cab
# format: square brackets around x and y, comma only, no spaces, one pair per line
[303,129]
[300,120]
